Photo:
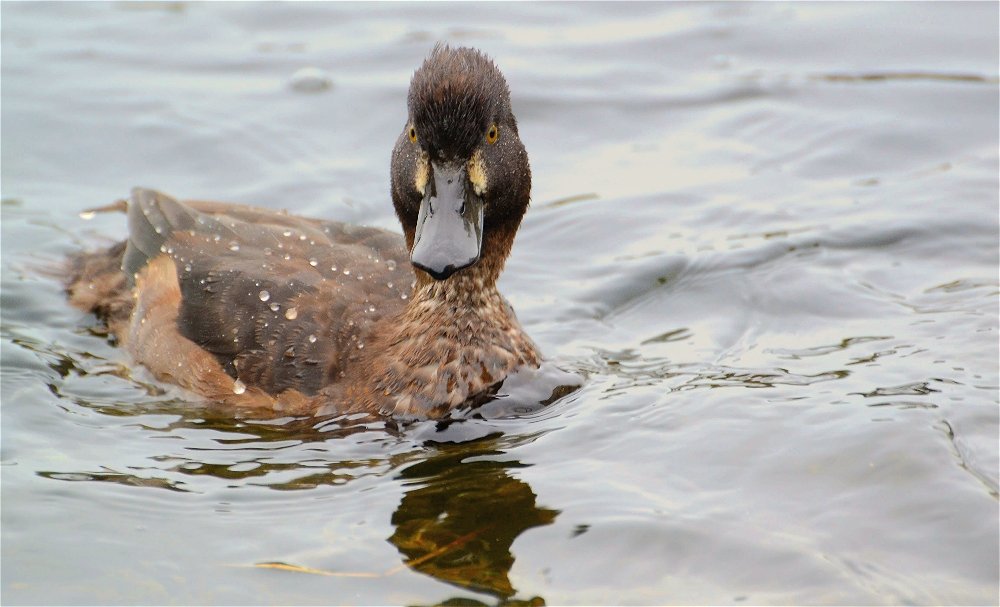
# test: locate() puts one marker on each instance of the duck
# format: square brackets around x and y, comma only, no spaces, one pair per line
[268,312]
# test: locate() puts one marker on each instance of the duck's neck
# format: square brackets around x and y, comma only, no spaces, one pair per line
[466,303]
[456,339]
[464,309]
[470,288]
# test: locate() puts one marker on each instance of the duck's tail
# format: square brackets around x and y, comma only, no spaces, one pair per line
[101,281]
[94,281]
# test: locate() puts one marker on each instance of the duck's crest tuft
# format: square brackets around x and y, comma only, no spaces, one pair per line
[454,97]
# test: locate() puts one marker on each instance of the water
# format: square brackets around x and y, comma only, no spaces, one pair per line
[766,234]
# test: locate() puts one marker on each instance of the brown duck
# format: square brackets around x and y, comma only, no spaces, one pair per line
[265,311]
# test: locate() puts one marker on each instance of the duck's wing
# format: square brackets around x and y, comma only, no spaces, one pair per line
[281,301]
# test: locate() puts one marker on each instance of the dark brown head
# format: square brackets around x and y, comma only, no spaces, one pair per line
[460,175]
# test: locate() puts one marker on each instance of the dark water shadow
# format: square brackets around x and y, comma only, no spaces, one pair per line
[460,515]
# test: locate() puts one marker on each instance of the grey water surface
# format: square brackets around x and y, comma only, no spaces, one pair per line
[765,233]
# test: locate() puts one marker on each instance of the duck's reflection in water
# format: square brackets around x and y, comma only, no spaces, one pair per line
[461,514]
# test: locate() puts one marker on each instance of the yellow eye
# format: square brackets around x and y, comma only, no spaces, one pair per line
[492,134]
[413,134]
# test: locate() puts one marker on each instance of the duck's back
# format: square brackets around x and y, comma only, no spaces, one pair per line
[282,302]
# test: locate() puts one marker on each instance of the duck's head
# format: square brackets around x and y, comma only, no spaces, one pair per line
[460,175]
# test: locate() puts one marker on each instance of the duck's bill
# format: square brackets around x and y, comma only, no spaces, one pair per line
[449,232]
